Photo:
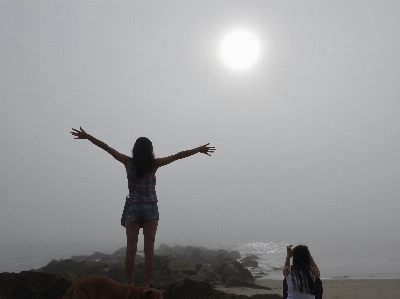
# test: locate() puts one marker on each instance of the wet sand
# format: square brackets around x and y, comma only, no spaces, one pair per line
[334,288]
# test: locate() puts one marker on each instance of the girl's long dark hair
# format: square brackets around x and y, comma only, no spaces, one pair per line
[143,156]
[301,270]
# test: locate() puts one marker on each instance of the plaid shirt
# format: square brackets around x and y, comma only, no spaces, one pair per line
[145,190]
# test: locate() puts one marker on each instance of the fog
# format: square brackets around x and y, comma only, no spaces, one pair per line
[308,139]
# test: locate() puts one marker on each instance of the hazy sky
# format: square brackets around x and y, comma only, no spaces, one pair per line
[308,140]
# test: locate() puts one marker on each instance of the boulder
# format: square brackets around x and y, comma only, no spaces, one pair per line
[184,266]
[164,250]
[235,254]
[244,272]
[236,281]
[206,274]
[234,274]
[249,264]
[249,261]
[161,262]
[229,271]
[223,257]
[196,255]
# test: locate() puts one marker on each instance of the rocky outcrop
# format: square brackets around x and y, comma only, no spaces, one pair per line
[32,285]
[36,285]
[171,265]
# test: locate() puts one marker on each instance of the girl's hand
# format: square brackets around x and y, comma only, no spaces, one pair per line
[205,149]
[80,134]
[289,251]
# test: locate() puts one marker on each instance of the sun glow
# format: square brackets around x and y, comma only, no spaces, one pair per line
[240,49]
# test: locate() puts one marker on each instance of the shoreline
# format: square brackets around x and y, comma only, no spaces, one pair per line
[341,288]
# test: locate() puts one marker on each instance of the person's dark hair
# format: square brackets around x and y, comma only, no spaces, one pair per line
[301,270]
[143,156]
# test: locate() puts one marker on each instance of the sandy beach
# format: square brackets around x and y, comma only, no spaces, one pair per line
[335,288]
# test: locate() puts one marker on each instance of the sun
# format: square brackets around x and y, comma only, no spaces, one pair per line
[240,49]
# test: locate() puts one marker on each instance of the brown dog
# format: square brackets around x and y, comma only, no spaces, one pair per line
[102,287]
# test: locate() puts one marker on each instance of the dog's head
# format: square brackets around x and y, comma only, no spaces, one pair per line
[153,294]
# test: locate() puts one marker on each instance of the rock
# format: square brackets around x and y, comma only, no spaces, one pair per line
[206,274]
[164,250]
[236,281]
[70,276]
[235,254]
[244,272]
[247,276]
[250,264]
[196,255]
[33,285]
[209,275]
[161,280]
[235,275]
[229,271]
[185,266]
[249,261]
[179,276]
[138,274]
[223,257]
[116,272]
[119,253]
[161,262]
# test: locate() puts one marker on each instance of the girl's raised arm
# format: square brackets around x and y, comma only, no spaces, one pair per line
[204,149]
[81,134]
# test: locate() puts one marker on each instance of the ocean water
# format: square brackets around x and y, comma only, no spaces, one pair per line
[345,260]
[349,260]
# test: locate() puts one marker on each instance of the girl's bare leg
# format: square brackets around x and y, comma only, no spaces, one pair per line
[132,232]
[149,231]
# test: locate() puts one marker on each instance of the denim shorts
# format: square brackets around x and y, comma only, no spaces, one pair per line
[142,211]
